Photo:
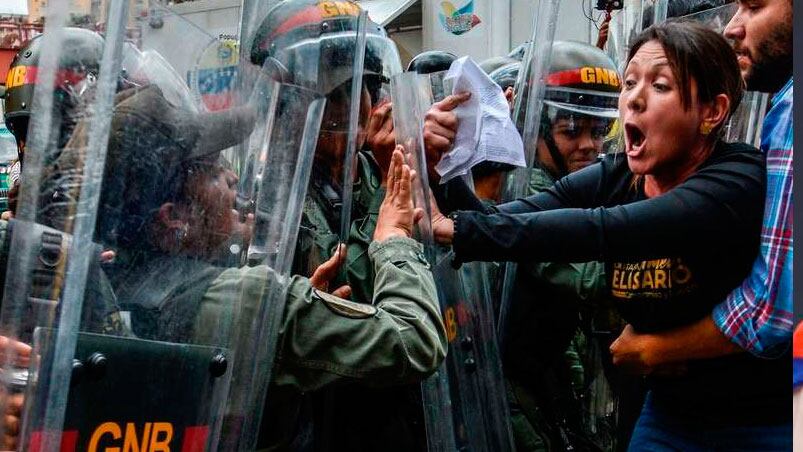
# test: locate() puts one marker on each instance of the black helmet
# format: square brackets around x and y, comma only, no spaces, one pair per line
[431,62]
[519,51]
[506,76]
[79,60]
[494,63]
[311,43]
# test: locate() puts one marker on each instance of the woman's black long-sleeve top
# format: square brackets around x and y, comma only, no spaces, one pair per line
[670,259]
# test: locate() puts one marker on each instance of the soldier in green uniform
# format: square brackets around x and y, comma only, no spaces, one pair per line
[166,226]
[354,416]
[548,340]
[277,38]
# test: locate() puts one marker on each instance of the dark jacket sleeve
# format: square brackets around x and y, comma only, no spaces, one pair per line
[711,208]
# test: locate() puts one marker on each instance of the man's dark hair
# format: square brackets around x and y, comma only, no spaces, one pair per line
[696,53]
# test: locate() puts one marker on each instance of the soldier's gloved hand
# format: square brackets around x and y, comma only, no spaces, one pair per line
[440,129]
[398,214]
[381,138]
[327,271]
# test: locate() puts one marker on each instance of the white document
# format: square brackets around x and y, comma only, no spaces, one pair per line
[485,131]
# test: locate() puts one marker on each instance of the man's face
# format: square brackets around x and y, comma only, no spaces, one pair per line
[761,32]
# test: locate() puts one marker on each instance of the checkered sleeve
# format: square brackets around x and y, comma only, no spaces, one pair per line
[758,315]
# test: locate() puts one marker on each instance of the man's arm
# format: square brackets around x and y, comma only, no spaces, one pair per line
[643,353]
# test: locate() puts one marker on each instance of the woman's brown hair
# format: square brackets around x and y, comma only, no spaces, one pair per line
[697,53]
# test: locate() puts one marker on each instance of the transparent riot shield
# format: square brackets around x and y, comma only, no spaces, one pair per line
[128,243]
[745,123]
[527,113]
[625,25]
[340,40]
[464,402]
[555,366]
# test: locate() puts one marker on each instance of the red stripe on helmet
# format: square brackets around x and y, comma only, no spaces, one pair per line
[317,13]
[564,78]
[64,77]
[307,16]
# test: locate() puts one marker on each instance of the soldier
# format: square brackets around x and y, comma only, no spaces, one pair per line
[82,62]
[573,131]
[547,383]
[321,224]
[182,210]
[338,413]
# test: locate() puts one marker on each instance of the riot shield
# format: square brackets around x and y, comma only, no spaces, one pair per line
[464,402]
[555,361]
[128,243]
[284,38]
[624,27]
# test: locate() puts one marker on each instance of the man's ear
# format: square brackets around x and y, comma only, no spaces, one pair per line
[717,110]
[169,217]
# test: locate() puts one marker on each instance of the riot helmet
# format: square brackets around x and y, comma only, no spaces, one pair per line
[431,61]
[580,106]
[518,53]
[494,63]
[313,43]
[506,76]
[294,34]
[77,69]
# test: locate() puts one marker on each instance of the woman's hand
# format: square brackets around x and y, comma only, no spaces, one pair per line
[327,271]
[397,215]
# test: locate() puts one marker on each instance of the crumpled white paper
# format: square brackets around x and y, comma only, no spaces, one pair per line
[485,131]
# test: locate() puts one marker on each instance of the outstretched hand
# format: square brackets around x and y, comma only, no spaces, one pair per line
[397,215]
[327,271]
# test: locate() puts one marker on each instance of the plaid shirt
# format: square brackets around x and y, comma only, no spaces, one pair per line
[758,315]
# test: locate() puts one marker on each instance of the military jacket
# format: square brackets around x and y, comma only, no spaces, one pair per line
[318,239]
[399,338]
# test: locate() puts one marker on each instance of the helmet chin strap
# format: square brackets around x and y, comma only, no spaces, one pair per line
[554,152]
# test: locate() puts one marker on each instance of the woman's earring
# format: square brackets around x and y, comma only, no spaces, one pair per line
[706,128]
[181,234]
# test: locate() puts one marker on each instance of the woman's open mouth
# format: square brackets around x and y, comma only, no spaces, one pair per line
[634,140]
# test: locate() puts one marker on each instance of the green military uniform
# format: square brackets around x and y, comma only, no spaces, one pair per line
[317,239]
[538,394]
[389,413]
[322,339]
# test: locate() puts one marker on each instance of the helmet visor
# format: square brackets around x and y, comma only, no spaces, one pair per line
[592,103]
